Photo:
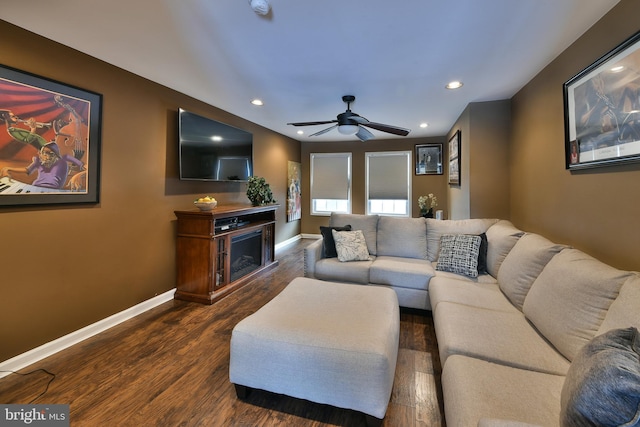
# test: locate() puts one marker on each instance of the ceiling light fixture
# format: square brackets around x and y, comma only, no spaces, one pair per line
[617,69]
[300,132]
[257,102]
[348,129]
[454,85]
[261,7]
[424,125]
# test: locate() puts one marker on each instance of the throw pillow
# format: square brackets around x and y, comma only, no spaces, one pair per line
[603,382]
[482,254]
[328,244]
[351,245]
[459,254]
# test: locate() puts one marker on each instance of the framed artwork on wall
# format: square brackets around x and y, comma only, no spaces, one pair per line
[428,159]
[294,196]
[602,110]
[454,159]
[49,141]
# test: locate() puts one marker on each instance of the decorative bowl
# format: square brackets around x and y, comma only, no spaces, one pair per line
[206,206]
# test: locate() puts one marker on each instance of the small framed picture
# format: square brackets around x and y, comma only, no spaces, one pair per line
[429,159]
[454,159]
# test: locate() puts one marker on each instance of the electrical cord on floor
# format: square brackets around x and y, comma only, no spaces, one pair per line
[53,377]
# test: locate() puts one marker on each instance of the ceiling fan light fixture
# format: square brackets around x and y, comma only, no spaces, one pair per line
[454,85]
[348,129]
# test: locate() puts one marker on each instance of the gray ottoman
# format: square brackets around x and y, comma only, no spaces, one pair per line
[326,342]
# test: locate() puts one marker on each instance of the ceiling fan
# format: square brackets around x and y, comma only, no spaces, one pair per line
[350,123]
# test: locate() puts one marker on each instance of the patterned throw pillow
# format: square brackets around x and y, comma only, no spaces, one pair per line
[351,246]
[459,254]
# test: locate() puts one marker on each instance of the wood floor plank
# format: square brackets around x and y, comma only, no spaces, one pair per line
[169,366]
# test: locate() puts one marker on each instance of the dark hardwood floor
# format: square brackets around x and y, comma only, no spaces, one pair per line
[170,367]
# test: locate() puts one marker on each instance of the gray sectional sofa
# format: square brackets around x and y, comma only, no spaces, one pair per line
[508,336]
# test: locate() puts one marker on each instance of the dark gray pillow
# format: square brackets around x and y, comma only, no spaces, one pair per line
[482,254]
[328,244]
[602,387]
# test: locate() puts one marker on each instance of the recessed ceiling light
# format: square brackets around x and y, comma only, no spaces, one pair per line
[257,102]
[300,132]
[617,69]
[454,85]
[216,138]
[424,125]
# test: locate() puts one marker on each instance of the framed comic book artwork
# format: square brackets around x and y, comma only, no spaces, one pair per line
[602,110]
[49,141]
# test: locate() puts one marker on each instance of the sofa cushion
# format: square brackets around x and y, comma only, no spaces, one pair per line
[402,237]
[459,254]
[328,244]
[351,246]
[331,269]
[570,298]
[495,336]
[523,264]
[436,228]
[367,223]
[475,294]
[603,383]
[401,272]
[624,311]
[474,389]
[502,237]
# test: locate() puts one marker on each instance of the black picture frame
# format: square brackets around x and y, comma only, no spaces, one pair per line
[455,151]
[602,110]
[50,141]
[428,159]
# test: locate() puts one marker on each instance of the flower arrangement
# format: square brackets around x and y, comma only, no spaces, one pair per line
[427,203]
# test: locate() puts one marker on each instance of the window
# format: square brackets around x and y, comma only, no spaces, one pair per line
[330,183]
[388,183]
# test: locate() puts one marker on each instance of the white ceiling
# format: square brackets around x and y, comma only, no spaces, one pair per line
[395,57]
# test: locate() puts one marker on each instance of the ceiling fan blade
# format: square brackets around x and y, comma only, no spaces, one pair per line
[364,135]
[387,128]
[312,123]
[324,130]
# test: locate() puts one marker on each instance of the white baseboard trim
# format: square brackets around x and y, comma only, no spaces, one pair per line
[311,236]
[32,356]
[287,242]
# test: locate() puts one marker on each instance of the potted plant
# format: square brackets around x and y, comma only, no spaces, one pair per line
[426,204]
[259,192]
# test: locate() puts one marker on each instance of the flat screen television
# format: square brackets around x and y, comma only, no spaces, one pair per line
[213,151]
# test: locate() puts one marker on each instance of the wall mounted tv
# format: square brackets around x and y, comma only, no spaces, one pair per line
[213,151]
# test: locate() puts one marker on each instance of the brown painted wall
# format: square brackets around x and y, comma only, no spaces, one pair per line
[67,267]
[596,210]
[484,135]
[421,184]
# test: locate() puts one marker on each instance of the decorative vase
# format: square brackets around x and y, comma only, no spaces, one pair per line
[426,213]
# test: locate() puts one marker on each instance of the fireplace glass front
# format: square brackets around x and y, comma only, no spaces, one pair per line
[246,253]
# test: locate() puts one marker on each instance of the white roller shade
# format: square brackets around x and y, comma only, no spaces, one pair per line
[388,176]
[330,175]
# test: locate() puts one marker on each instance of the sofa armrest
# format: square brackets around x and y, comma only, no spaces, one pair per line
[312,254]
